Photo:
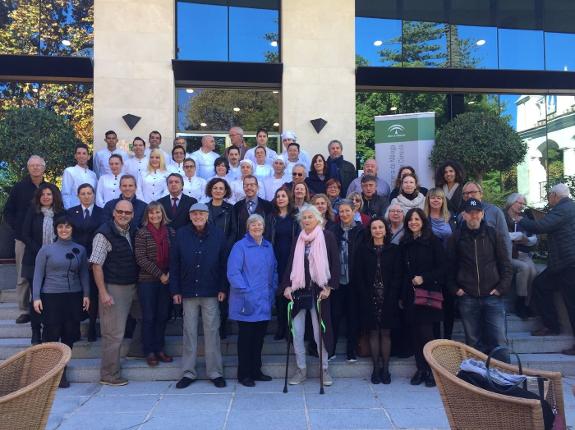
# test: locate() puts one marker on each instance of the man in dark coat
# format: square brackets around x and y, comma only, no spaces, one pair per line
[559,225]
[176,204]
[338,168]
[128,190]
[374,205]
[479,275]
[250,205]
[19,200]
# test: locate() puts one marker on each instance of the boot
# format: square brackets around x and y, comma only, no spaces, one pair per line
[92,335]
[521,309]
[36,335]
[64,383]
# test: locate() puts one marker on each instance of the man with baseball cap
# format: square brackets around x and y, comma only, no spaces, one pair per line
[197,280]
[479,275]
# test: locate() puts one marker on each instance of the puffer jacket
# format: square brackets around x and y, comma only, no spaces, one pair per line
[478,261]
[559,224]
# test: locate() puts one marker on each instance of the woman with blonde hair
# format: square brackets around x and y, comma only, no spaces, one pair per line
[152,183]
[358,215]
[323,204]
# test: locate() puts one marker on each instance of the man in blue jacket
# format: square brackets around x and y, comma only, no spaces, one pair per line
[559,225]
[197,280]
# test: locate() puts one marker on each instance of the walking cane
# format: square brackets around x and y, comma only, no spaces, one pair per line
[289,338]
[320,323]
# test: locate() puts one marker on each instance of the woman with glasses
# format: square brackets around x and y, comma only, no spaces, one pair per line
[194,186]
[177,162]
[332,190]
[394,216]
[317,175]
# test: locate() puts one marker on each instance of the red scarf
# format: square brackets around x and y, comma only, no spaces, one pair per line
[160,236]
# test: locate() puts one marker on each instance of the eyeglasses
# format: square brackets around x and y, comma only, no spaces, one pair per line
[395,211]
[296,174]
[121,212]
[467,193]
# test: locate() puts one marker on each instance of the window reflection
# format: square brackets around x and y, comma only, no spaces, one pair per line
[378,41]
[424,44]
[216,110]
[473,47]
[226,33]
[560,51]
[520,49]
[47,27]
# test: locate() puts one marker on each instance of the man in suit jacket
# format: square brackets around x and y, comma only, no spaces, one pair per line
[176,204]
[86,218]
[251,204]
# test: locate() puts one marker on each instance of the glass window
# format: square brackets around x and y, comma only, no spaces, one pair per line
[560,51]
[377,42]
[254,35]
[215,110]
[210,32]
[520,49]
[425,44]
[202,32]
[473,47]
[47,27]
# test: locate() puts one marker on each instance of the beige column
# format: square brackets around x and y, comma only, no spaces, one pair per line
[133,49]
[318,56]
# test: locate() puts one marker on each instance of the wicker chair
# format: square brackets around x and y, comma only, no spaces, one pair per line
[28,384]
[470,407]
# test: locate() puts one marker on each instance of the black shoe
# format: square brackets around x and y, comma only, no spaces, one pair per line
[92,335]
[36,337]
[429,380]
[280,334]
[521,309]
[219,382]
[545,332]
[418,378]
[23,319]
[262,377]
[375,378]
[351,357]
[223,331]
[64,383]
[185,382]
[247,382]
[385,377]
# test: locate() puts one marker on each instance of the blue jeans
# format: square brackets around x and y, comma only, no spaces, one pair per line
[155,301]
[484,323]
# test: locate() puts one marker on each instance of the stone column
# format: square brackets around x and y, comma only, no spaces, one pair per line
[134,43]
[318,56]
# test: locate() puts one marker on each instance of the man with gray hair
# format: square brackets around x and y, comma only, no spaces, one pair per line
[523,242]
[19,200]
[338,168]
[559,225]
[370,169]
[236,135]
[205,157]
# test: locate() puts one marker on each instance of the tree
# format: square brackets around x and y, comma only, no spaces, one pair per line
[28,131]
[481,142]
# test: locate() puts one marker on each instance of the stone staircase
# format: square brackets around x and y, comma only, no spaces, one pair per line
[536,352]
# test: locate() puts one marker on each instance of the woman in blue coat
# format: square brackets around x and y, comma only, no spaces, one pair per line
[252,273]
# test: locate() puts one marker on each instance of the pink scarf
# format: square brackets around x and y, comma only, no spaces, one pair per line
[318,262]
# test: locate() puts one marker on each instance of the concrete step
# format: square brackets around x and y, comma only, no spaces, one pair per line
[8,296]
[9,311]
[88,370]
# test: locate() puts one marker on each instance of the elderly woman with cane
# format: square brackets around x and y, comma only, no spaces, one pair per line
[311,273]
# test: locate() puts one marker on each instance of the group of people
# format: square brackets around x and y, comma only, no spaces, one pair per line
[252,233]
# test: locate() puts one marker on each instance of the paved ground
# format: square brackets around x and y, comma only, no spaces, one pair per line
[348,404]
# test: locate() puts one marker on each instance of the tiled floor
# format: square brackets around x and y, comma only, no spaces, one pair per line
[348,404]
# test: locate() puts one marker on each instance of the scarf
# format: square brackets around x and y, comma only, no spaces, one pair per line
[48,235]
[449,193]
[408,203]
[333,168]
[160,236]
[318,262]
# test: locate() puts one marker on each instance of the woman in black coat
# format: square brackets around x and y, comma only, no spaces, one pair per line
[317,175]
[349,235]
[222,215]
[84,227]
[423,265]
[377,281]
[38,230]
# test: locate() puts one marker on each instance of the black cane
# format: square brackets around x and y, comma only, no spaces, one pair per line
[289,305]
[320,348]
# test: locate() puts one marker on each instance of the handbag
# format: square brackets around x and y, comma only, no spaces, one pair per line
[430,299]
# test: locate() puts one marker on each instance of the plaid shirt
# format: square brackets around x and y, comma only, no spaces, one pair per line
[101,246]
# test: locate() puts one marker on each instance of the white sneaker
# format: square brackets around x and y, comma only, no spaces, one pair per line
[298,377]
[327,381]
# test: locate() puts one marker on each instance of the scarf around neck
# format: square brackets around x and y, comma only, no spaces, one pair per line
[318,261]
[407,203]
[449,193]
[160,236]
[48,235]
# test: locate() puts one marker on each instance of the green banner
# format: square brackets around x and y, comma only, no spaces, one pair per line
[405,128]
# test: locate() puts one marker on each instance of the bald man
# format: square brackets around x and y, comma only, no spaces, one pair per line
[205,157]
[370,169]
